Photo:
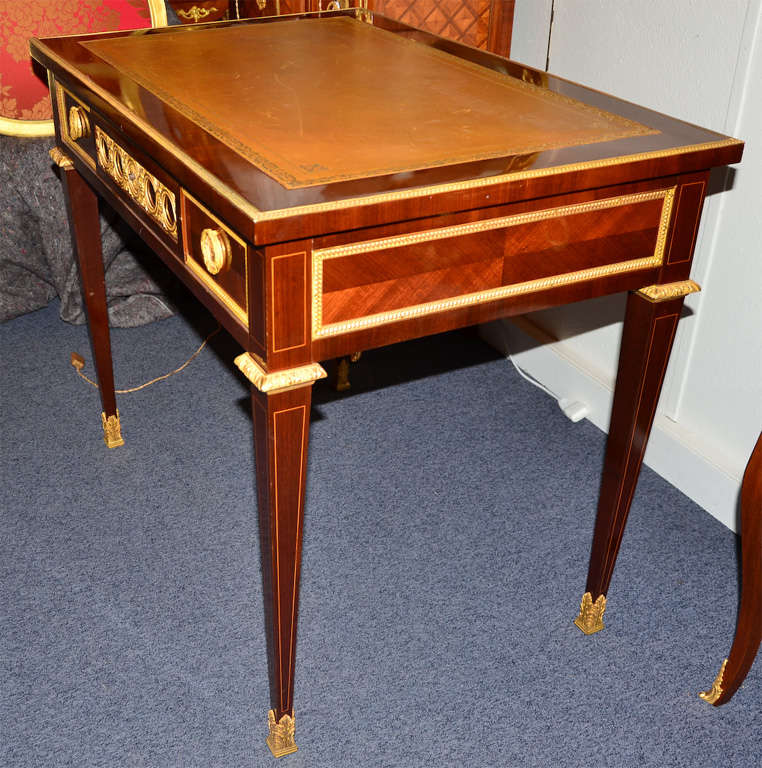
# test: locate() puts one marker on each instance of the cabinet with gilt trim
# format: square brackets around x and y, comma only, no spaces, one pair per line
[254,8]
[199,11]
[484,24]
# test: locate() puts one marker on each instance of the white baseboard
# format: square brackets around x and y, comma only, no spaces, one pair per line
[673,452]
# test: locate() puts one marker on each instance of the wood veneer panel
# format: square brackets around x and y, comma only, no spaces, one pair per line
[328,347]
[389,295]
[289,320]
[370,282]
[689,202]
[361,269]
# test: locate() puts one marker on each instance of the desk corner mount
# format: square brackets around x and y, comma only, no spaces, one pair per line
[669,291]
[590,619]
[713,694]
[61,159]
[276,381]
[281,737]
[112,430]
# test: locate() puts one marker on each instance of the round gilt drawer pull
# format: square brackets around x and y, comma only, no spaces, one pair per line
[79,125]
[215,248]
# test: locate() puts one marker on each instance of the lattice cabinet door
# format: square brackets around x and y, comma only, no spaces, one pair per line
[248,9]
[481,23]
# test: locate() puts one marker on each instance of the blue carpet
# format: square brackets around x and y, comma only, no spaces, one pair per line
[448,528]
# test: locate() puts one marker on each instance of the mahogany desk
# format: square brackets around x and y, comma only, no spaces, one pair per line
[341,181]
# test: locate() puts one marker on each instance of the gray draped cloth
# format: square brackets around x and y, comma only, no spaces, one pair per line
[36,258]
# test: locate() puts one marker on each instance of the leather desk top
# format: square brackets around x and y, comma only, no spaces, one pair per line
[282,123]
[318,103]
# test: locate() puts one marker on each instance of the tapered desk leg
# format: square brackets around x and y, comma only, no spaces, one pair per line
[649,329]
[281,432]
[749,628]
[280,403]
[84,221]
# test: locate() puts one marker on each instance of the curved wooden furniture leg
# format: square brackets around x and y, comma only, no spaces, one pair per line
[649,329]
[84,221]
[749,629]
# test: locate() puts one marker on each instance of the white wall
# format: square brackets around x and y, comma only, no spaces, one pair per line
[699,60]
[531,27]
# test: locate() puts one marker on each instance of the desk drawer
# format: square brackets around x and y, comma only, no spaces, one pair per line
[216,256]
[75,123]
[385,280]
[156,200]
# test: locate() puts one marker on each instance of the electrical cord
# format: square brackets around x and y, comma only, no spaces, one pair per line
[79,363]
[522,373]
[574,410]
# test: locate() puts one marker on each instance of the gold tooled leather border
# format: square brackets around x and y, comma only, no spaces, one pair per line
[294,177]
[493,294]
[504,178]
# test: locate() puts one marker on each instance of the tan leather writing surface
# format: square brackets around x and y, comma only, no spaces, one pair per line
[317,101]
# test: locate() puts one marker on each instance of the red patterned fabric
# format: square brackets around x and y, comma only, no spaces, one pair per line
[23,95]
